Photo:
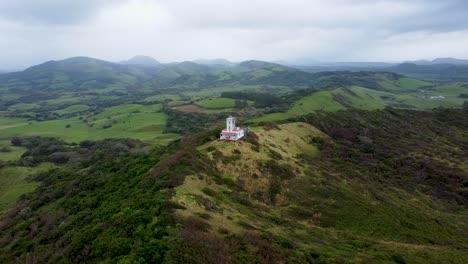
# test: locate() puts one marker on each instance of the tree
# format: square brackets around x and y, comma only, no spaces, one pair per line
[17,141]
[237,103]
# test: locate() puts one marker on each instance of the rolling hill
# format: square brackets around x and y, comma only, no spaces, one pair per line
[141,60]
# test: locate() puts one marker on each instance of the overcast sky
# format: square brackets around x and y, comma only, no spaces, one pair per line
[34,31]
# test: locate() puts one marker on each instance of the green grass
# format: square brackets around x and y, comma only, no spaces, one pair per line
[216,91]
[218,103]
[72,109]
[452,89]
[14,183]
[361,98]
[162,97]
[272,117]
[319,101]
[338,99]
[14,152]
[426,103]
[144,126]
[137,121]
[127,109]
[404,84]
[22,107]
[410,83]
[65,100]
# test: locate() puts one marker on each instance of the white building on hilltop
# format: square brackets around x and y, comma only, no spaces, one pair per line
[231,132]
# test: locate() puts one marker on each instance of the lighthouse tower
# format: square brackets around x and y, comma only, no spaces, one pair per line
[230,124]
[231,132]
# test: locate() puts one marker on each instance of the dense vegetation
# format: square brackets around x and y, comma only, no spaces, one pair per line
[367,186]
[102,206]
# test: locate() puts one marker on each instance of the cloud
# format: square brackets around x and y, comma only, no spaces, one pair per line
[48,11]
[332,30]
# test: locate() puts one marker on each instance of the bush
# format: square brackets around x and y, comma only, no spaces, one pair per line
[17,141]
[5,149]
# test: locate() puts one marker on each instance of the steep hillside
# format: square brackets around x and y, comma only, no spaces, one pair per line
[367,188]
[386,186]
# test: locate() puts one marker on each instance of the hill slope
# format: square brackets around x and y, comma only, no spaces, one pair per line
[141,60]
[347,187]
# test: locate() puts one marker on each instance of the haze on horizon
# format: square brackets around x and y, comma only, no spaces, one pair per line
[32,32]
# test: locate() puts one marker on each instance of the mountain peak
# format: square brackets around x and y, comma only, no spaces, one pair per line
[141,60]
[255,64]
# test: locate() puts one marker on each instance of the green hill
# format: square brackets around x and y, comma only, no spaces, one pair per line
[343,187]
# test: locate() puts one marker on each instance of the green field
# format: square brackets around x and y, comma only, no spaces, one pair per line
[218,103]
[14,183]
[22,107]
[132,120]
[9,152]
[72,109]
[403,84]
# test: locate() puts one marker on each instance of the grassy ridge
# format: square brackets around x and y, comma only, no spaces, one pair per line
[359,200]
[14,182]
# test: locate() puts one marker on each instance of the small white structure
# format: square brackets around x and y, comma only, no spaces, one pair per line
[231,132]
[437,97]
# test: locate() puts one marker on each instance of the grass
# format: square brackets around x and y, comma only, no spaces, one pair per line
[127,109]
[132,120]
[14,183]
[144,126]
[162,97]
[216,91]
[218,103]
[72,109]
[319,101]
[14,152]
[410,83]
[288,141]
[404,84]
[22,107]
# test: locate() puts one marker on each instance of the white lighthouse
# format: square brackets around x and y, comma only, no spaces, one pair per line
[231,132]
[230,123]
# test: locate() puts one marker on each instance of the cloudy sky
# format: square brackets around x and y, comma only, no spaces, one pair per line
[34,31]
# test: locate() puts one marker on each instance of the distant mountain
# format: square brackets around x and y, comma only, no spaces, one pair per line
[141,60]
[221,62]
[453,61]
[91,76]
[439,72]
[74,74]
[256,64]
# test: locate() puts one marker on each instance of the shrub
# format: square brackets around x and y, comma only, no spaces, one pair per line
[5,149]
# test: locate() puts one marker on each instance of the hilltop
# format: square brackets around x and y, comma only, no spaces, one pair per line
[141,60]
